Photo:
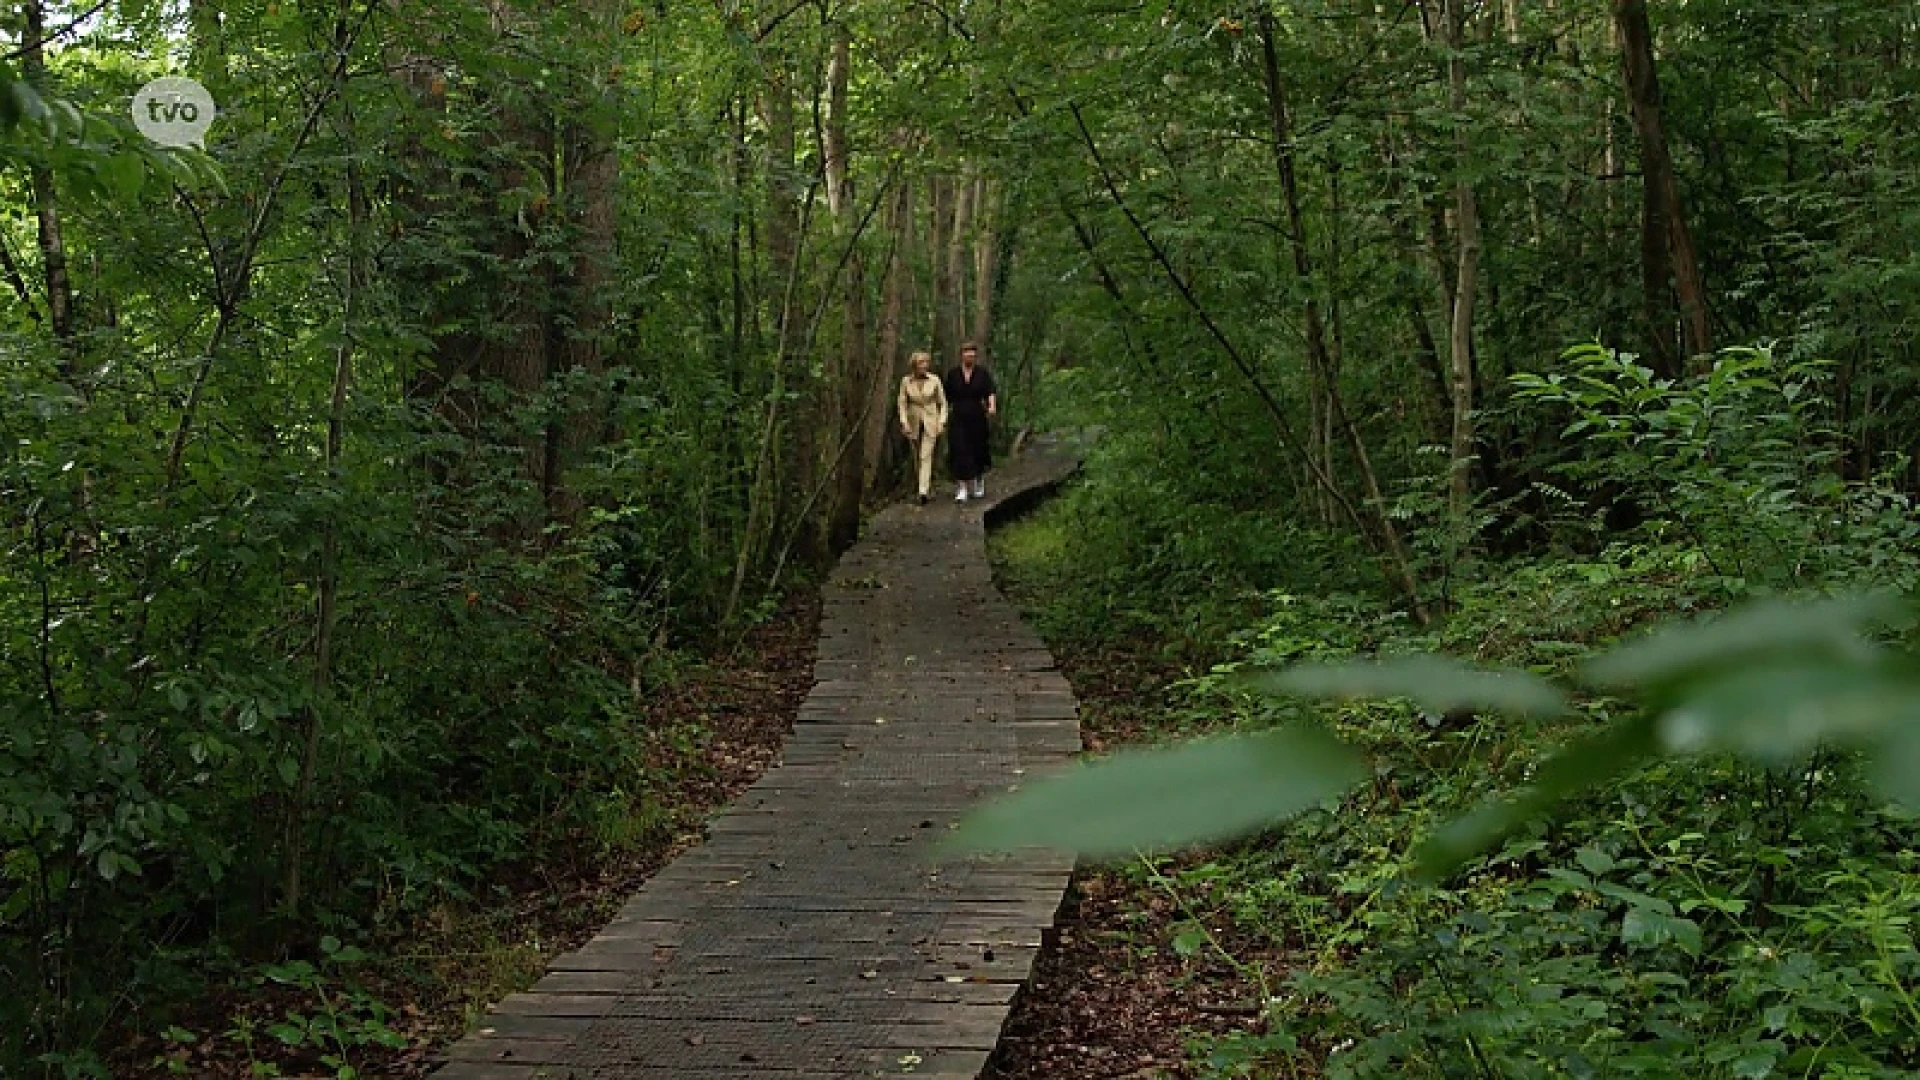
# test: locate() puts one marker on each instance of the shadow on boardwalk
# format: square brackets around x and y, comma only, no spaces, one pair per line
[812,935]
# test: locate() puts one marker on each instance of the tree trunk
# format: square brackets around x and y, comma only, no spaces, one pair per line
[986,256]
[1664,222]
[784,218]
[959,247]
[889,362]
[1381,529]
[1319,362]
[327,590]
[850,387]
[946,286]
[783,203]
[1612,160]
[791,326]
[590,168]
[1466,281]
[46,199]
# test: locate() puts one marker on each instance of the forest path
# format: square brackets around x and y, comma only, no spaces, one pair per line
[812,935]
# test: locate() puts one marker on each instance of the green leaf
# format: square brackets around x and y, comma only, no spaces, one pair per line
[1593,860]
[25,103]
[1646,928]
[1896,764]
[1758,1061]
[1798,630]
[1434,683]
[290,1034]
[1214,789]
[1778,712]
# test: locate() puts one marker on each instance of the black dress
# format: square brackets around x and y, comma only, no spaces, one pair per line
[967,452]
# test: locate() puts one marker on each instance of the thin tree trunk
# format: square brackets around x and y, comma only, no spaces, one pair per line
[893,308]
[986,256]
[1400,564]
[327,588]
[946,285]
[759,495]
[1661,188]
[736,255]
[959,245]
[1419,233]
[46,199]
[786,231]
[1319,365]
[1430,361]
[850,393]
[1466,283]
[10,269]
[1611,163]
[1336,326]
[783,214]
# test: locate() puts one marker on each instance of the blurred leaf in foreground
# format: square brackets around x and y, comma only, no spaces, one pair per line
[1832,630]
[1434,683]
[1138,800]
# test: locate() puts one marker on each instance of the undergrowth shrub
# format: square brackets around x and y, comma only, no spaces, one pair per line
[1741,466]
[1707,917]
[169,757]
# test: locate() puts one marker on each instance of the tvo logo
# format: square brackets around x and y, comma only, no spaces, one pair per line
[173,112]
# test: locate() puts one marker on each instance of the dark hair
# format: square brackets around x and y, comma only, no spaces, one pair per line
[965,345]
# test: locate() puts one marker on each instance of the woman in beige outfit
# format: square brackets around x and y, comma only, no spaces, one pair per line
[923,416]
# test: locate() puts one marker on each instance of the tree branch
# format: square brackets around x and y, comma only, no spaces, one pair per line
[56,35]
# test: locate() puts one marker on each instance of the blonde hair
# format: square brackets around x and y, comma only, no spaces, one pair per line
[919,355]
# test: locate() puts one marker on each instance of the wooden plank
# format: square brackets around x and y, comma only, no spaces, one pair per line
[492,1070]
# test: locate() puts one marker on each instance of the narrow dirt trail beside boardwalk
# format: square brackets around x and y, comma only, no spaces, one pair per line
[812,935]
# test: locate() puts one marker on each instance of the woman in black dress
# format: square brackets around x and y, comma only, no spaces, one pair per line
[970,401]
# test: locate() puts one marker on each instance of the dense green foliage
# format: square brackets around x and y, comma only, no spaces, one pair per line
[1698,916]
[362,473]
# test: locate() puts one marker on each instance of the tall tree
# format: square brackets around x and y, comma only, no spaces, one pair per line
[853,370]
[896,300]
[1667,247]
[943,241]
[987,197]
[46,198]
[1466,283]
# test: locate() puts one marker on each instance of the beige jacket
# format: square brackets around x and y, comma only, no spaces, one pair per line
[923,406]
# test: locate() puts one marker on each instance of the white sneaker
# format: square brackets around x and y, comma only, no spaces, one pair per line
[961,495]
[979,489]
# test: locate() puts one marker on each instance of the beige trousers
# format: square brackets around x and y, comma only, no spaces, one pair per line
[923,447]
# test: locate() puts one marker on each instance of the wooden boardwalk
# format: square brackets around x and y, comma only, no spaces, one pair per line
[812,935]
